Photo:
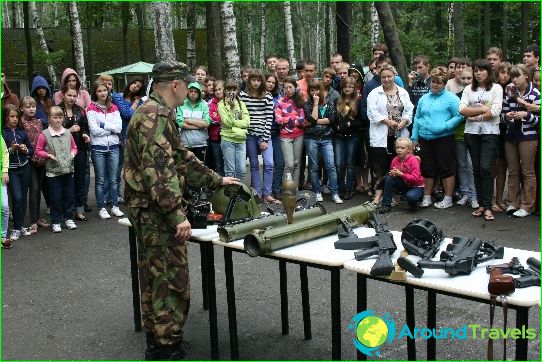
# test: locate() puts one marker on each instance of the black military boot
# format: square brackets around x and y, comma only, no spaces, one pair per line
[173,353]
[152,353]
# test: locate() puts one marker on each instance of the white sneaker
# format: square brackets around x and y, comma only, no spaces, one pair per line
[319,197]
[425,203]
[15,235]
[57,228]
[474,204]
[116,211]
[443,205]
[336,199]
[70,224]
[25,232]
[521,213]
[463,200]
[103,214]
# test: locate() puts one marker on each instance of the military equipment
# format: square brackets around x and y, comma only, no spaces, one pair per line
[304,200]
[500,284]
[199,208]
[409,266]
[238,231]
[289,199]
[263,241]
[383,245]
[399,274]
[528,277]
[422,238]
[236,203]
[461,256]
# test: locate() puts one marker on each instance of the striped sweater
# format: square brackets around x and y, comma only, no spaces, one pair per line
[261,115]
[527,128]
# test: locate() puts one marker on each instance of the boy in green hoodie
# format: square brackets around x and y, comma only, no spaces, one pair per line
[194,119]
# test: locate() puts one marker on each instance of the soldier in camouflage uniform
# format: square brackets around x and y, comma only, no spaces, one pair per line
[157,169]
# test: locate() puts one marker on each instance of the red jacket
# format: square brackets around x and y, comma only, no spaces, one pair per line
[410,167]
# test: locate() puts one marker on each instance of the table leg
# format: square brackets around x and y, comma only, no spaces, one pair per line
[305,301]
[284,297]
[411,322]
[211,288]
[361,305]
[135,279]
[335,314]
[431,324]
[204,278]
[232,313]
[522,319]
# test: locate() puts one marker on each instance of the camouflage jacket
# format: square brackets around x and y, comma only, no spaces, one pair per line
[157,166]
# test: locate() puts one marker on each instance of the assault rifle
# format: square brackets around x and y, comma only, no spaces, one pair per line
[528,277]
[460,257]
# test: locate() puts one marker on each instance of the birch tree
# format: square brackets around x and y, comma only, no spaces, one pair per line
[5,15]
[163,33]
[289,33]
[43,43]
[191,21]
[459,37]
[375,25]
[231,52]
[318,44]
[262,36]
[77,41]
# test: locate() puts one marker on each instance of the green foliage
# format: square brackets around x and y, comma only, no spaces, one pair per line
[40,57]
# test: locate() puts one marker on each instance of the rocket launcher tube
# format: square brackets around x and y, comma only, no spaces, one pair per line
[239,231]
[260,242]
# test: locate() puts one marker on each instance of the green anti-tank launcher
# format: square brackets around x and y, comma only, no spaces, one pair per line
[263,241]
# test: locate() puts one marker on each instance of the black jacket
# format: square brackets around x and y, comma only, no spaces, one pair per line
[320,131]
[79,118]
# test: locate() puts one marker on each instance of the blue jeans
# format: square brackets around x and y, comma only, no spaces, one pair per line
[464,170]
[324,146]
[253,145]
[235,155]
[278,162]
[5,211]
[412,194]
[345,149]
[62,195]
[105,161]
[19,180]
[216,151]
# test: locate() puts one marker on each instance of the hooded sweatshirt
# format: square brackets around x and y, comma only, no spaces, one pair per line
[410,167]
[193,138]
[9,97]
[83,98]
[437,116]
[41,113]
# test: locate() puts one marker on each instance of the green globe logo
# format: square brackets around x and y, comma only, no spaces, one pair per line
[372,331]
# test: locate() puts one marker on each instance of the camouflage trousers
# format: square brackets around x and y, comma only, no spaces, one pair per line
[163,278]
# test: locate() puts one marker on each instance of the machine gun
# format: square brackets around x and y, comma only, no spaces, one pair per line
[528,277]
[382,244]
[460,257]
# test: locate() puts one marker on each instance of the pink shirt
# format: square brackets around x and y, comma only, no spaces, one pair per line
[410,167]
[42,143]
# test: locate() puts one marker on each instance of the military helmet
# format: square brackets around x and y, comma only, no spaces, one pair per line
[245,206]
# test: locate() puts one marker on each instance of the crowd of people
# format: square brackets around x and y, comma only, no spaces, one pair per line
[459,130]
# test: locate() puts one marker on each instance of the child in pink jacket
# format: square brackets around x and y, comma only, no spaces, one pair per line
[404,176]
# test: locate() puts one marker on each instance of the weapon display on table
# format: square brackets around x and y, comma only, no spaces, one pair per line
[528,277]
[422,238]
[263,241]
[383,245]
[238,231]
[460,257]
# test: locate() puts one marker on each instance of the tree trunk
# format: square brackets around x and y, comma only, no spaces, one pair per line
[263,36]
[375,25]
[438,16]
[343,16]
[5,16]
[233,69]
[77,41]
[125,10]
[90,51]
[289,33]
[56,14]
[327,31]
[140,32]
[191,21]
[43,42]
[214,37]
[451,31]
[504,32]
[392,38]
[332,29]
[13,14]
[459,38]
[524,26]
[318,43]
[487,25]
[28,41]
[304,52]
[163,33]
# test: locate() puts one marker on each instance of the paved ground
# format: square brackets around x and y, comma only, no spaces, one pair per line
[68,296]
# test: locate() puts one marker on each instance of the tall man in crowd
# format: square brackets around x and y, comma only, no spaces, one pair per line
[419,80]
[531,56]
[157,170]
